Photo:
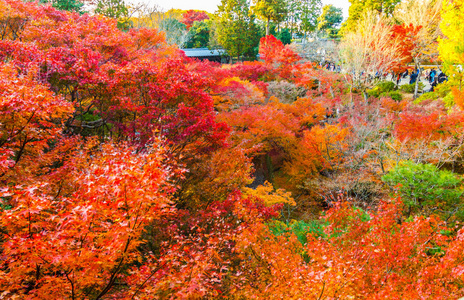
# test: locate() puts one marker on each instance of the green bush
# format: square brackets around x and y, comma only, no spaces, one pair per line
[427,96]
[363,215]
[425,189]
[285,36]
[448,100]
[442,91]
[386,86]
[409,88]
[315,227]
[381,88]
[375,92]
[395,95]
[4,205]
[300,228]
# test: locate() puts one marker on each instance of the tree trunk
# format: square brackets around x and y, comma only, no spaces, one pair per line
[351,94]
[291,27]
[267,25]
[238,52]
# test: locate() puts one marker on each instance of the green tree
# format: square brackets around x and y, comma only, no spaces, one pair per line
[285,36]
[270,10]
[293,16]
[69,5]
[236,30]
[302,15]
[330,20]
[116,9]
[359,7]
[198,35]
[426,189]
[175,31]
[309,12]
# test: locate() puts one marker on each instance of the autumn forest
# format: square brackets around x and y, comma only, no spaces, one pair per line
[131,171]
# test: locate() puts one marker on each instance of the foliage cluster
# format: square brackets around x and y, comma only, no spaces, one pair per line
[409,88]
[425,188]
[382,88]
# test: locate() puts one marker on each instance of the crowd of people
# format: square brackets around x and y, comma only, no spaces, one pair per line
[433,76]
[330,66]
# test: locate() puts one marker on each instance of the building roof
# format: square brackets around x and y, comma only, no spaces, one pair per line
[202,52]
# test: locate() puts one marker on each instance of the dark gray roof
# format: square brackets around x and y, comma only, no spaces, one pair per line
[202,52]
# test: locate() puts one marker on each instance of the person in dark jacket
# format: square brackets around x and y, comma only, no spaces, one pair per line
[434,84]
[442,77]
[413,77]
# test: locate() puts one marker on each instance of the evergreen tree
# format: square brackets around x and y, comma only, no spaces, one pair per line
[309,11]
[237,31]
[270,10]
[359,7]
[285,36]
[330,20]
[69,5]
[198,35]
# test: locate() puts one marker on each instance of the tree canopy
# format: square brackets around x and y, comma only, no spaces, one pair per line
[236,32]
[330,20]
[359,7]
[270,10]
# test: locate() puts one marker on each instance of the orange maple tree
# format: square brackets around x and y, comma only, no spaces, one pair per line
[31,117]
[76,242]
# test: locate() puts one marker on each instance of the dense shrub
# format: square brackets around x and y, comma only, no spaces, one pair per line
[285,91]
[409,88]
[395,95]
[425,189]
[285,36]
[381,88]
[300,228]
[427,96]
[386,86]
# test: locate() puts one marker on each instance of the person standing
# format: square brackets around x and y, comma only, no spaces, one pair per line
[413,77]
[432,76]
[442,77]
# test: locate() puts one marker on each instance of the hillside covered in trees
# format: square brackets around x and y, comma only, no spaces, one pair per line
[130,171]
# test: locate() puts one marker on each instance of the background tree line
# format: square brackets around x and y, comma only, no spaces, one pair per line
[237,25]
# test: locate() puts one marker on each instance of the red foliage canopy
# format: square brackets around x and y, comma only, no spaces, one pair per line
[274,53]
[192,16]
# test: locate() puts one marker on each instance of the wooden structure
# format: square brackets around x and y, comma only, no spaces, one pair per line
[217,55]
